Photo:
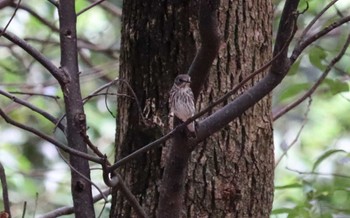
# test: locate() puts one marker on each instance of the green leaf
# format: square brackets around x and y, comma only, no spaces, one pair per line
[325,156]
[293,90]
[316,56]
[336,86]
[293,185]
[294,68]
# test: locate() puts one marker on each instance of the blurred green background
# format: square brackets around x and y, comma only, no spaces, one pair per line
[312,178]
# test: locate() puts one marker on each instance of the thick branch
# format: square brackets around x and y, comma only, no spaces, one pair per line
[210,43]
[278,70]
[56,72]
[174,176]
[285,32]
[76,119]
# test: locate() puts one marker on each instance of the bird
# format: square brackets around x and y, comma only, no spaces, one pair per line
[182,101]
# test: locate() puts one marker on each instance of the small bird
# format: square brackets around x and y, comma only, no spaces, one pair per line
[182,100]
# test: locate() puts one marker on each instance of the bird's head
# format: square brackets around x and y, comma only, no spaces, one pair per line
[183,80]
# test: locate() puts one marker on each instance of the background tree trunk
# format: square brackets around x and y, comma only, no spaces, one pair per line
[231,173]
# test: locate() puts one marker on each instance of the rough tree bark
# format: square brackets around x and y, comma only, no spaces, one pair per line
[231,173]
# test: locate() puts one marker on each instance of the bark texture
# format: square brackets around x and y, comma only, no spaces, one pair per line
[157,44]
[231,173]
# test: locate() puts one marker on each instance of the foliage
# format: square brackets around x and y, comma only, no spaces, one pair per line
[313,180]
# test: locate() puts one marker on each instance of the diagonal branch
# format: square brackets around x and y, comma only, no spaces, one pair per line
[313,21]
[56,72]
[302,45]
[278,71]
[33,108]
[70,209]
[317,84]
[50,139]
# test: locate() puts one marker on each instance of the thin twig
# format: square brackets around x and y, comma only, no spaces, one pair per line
[313,21]
[300,47]
[33,108]
[317,83]
[69,209]
[5,194]
[38,17]
[55,97]
[50,139]
[131,198]
[319,173]
[42,59]
[80,174]
[89,7]
[111,8]
[298,134]
[145,148]
[24,209]
[13,15]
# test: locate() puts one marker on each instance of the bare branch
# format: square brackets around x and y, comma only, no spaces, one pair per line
[210,43]
[131,198]
[300,47]
[38,17]
[319,173]
[69,209]
[34,108]
[5,194]
[50,139]
[56,72]
[55,97]
[201,113]
[250,97]
[313,21]
[297,136]
[145,148]
[90,6]
[13,15]
[317,83]
[84,177]
[111,8]
[285,32]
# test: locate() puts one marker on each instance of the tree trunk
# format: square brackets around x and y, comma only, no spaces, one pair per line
[231,173]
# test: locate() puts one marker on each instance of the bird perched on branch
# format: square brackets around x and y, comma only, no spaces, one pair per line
[182,100]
